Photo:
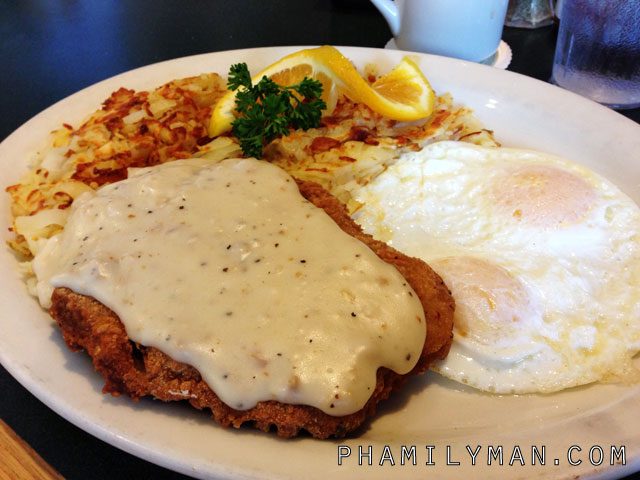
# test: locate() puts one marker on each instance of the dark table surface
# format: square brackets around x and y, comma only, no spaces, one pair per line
[49,50]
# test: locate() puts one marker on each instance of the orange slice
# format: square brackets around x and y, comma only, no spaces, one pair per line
[403,94]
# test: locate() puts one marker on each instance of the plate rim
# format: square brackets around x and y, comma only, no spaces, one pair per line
[22,374]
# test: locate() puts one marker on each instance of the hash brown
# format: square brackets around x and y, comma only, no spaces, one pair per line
[137,129]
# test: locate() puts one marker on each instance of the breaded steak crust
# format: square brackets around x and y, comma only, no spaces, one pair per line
[136,370]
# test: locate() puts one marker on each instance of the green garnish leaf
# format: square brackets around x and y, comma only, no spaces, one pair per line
[267,110]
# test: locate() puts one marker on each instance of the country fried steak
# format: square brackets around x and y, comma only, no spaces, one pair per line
[133,369]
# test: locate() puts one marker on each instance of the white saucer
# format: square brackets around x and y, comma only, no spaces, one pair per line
[500,59]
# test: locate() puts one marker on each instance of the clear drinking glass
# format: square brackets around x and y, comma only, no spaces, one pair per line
[529,13]
[598,51]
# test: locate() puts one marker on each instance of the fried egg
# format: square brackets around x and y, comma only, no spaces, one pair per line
[541,254]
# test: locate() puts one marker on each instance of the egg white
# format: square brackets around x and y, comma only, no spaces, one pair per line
[541,254]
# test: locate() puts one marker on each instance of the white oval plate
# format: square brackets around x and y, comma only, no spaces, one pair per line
[432,421]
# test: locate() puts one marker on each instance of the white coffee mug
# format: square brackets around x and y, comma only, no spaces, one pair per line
[466,29]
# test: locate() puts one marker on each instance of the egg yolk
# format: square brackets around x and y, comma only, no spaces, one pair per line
[542,195]
[492,306]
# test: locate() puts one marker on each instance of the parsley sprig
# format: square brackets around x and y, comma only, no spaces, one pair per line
[267,110]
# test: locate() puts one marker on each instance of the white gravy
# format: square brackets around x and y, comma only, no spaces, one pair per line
[226,267]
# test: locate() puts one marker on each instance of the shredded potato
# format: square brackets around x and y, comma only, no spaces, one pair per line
[130,130]
[355,145]
[140,129]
